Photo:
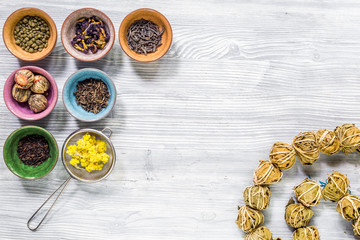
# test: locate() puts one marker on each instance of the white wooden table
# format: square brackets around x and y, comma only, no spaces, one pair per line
[190,128]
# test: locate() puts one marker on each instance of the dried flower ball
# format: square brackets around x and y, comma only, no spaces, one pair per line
[306,233]
[349,207]
[297,215]
[260,233]
[24,78]
[337,187]
[37,103]
[349,136]
[257,197]
[308,192]
[328,141]
[266,173]
[41,84]
[306,147]
[356,227]
[20,94]
[282,155]
[248,219]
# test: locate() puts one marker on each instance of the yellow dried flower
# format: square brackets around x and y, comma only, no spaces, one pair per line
[337,187]
[257,197]
[356,227]
[297,215]
[88,153]
[260,233]
[266,173]
[349,136]
[282,155]
[306,147]
[349,207]
[248,219]
[328,141]
[306,233]
[308,192]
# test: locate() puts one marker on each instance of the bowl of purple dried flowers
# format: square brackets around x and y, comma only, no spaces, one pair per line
[87,34]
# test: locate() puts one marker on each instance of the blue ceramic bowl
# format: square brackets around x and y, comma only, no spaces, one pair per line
[70,87]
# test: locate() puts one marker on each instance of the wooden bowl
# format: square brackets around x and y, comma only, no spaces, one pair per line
[9,39]
[155,17]
[68,32]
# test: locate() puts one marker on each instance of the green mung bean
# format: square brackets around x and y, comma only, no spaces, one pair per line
[32,34]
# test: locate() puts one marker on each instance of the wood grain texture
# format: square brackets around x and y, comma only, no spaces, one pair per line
[190,128]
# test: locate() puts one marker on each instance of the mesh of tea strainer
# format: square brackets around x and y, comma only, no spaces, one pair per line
[82,174]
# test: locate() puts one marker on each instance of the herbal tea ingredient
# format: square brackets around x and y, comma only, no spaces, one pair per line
[20,94]
[144,36]
[92,95]
[24,78]
[41,84]
[27,83]
[33,150]
[88,153]
[37,103]
[32,34]
[90,35]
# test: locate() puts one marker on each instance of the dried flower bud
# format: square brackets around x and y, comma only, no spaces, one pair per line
[20,94]
[337,187]
[306,233]
[308,192]
[37,103]
[306,147]
[349,136]
[248,219]
[349,207]
[41,84]
[356,227]
[260,233]
[328,141]
[257,197]
[297,215]
[282,155]
[266,173]
[25,78]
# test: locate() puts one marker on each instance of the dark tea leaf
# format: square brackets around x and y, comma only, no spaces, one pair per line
[33,150]
[92,95]
[144,36]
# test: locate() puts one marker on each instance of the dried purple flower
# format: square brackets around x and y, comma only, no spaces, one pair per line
[90,35]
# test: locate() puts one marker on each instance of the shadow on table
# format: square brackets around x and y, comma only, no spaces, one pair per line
[164,68]
[112,60]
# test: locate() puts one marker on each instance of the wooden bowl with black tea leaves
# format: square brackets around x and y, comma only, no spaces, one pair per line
[141,22]
[17,166]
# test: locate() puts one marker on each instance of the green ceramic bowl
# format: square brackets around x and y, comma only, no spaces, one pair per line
[14,163]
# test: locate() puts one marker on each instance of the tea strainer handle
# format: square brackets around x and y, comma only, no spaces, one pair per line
[107,131]
[62,188]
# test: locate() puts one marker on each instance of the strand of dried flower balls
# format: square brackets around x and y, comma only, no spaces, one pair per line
[337,189]
[298,215]
[307,147]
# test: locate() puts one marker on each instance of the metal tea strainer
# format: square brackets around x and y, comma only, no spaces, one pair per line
[80,174]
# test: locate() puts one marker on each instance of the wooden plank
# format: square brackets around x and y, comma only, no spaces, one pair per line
[190,128]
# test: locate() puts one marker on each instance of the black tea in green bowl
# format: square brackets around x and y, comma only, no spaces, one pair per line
[20,156]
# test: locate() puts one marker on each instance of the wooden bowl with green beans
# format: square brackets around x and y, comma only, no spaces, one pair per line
[29,34]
